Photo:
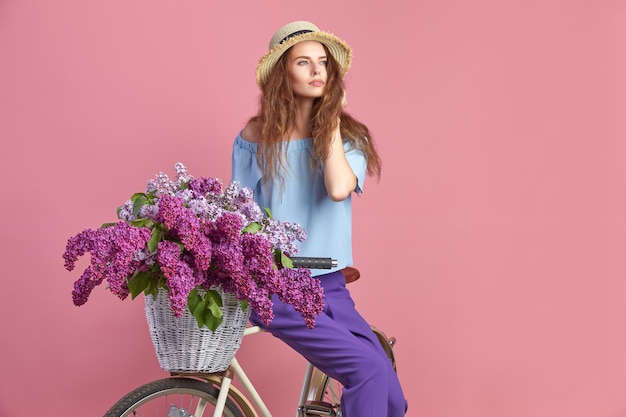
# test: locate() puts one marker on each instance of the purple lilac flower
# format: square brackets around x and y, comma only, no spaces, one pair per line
[227,228]
[184,224]
[257,266]
[148,211]
[125,212]
[257,252]
[179,275]
[304,293]
[77,246]
[83,287]
[203,186]
[182,176]
[142,255]
[205,208]
[259,262]
[126,241]
[200,207]
[151,186]
[199,276]
[283,235]
[170,211]
[185,195]
[112,251]
[227,261]
[259,300]
[246,206]
[161,184]
[230,195]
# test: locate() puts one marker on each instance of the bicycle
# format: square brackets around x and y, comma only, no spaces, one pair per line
[213,394]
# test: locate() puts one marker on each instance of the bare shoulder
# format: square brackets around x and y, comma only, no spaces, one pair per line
[251,131]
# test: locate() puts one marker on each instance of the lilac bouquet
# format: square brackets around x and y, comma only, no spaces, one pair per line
[190,236]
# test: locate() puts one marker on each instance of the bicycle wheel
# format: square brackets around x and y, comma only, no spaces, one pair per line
[325,392]
[174,397]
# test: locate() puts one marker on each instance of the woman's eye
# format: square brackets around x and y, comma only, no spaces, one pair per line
[324,63]
[302,62]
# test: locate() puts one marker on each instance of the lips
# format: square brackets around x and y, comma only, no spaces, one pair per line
[317,83]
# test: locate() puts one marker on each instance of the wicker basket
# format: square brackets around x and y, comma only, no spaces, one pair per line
[181,346]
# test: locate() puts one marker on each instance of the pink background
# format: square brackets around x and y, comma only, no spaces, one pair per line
[492,248]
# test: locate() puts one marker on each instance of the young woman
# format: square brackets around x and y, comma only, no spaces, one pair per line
[303,157]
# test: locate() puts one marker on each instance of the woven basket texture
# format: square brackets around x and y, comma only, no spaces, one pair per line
[181,346]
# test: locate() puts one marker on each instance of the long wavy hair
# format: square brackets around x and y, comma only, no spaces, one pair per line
[276,121]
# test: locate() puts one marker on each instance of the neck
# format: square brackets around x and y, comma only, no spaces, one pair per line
[304,110]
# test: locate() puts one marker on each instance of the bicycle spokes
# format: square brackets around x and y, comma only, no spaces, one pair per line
[178,412]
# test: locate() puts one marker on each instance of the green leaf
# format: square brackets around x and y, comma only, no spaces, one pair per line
[214,309]
[139,200]
[139,282]
[285,261]
[155,238]
[105,225]
[252,228]
[193,299]
[137,196]
[211,321]
[152,290]
[243,304]
[199,312]
[141,223]
[268,211]
[213,312]
[208,310]
[216,297]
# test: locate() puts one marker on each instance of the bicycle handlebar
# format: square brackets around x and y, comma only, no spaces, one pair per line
[313,263]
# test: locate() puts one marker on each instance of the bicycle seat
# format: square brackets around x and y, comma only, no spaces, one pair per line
[351,274]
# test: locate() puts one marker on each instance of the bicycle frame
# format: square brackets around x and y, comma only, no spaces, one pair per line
[235,370]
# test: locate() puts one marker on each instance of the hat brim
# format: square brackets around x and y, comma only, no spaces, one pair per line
[337,47]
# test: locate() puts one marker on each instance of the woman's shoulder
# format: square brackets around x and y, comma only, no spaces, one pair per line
[250,131]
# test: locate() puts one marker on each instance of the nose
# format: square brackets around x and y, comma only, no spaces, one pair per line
[317,69]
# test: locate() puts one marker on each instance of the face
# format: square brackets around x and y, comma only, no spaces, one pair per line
[306,66]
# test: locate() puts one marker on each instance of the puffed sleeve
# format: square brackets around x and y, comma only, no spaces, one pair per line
[245,169]
[358,163]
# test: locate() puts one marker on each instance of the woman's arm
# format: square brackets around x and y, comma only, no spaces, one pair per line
[339,179]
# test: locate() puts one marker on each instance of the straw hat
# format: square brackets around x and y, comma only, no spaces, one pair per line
[296,32]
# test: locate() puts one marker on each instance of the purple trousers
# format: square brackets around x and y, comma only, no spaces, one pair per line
[343,346]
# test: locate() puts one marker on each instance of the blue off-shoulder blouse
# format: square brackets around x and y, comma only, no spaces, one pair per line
[303,198]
